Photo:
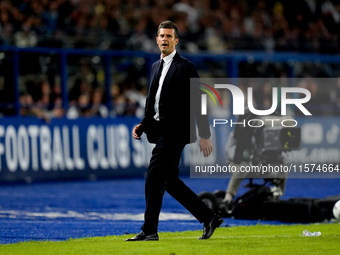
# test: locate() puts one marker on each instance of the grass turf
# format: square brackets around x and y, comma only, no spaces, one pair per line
[259,239]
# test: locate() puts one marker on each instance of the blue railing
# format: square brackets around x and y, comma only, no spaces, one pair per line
[232,59]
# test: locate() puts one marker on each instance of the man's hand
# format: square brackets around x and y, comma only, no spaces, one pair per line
[137,132]
[206,147]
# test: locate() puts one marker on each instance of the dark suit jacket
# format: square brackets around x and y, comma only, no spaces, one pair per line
[179,106]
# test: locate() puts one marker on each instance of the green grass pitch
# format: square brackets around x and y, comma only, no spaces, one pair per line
[259,239]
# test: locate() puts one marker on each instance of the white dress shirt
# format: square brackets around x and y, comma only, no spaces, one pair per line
[166,65]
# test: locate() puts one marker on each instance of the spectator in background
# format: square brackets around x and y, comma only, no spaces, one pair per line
[135,102]
[80,86]
[26,106]
[191,13]
[81,108]
[138,39]
[58,110]
[98,109]
[118,101]
[50,17]
[6,24]
[50,102]
[128,100]
[40,104]
[26,37]
[56,93]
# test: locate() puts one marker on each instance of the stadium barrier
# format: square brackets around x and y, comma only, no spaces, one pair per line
[12,59]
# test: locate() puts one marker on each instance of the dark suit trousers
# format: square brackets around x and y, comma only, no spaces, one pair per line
[163,176]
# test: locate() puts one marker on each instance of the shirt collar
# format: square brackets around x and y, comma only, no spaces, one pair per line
[168,58]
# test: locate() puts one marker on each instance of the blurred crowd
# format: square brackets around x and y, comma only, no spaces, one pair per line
[213,26]
[41,95]
[204,25]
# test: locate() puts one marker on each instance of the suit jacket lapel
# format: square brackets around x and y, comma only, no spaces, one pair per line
[154,85]
[171,70]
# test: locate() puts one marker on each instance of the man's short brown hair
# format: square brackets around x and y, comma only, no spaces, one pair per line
[168,24]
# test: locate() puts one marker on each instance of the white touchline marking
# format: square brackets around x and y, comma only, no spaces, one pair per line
[164,216]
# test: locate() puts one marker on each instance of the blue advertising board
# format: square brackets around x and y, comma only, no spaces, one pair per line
[31,149]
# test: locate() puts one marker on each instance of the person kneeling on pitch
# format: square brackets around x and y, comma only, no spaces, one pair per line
[169,124]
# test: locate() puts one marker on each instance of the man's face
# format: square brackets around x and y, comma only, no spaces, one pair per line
[166,41]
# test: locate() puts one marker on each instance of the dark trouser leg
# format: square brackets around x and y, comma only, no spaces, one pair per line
[165,158]
[184,195]
[163,175]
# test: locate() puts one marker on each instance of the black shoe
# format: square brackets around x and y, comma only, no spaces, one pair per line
[142,237]
[208,229]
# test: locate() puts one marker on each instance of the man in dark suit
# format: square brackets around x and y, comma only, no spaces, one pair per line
[169,124]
